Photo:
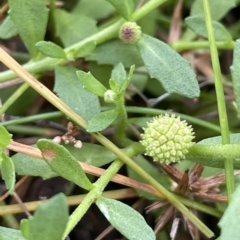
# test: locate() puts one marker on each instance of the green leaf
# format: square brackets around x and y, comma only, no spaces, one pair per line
[152,171]
[101,121]
[8,233]
[71,91]
[168,67]
[234,139]
[119,75]
[236,73]
[229,222]
[89,8]
[92,154]
[5,138]
[50,219]
[218,8]
[85,50]
[24,226]
[117,51]
[91,84]
[51,49]
[30,19]
[128,79]
[71,28]
[8,172]
[124,8]
[198,25]
[63,163]
[125,219]
[29,166]
[8,29]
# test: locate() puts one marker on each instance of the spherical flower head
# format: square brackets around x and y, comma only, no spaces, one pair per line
[110,96]
[130,33]
[167,138]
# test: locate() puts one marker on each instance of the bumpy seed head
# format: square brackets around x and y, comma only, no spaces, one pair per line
[130,33]
[167,138]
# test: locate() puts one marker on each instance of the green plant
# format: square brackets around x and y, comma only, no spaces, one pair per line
[94,104]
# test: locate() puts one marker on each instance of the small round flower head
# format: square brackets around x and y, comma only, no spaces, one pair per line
[167,138]
[110,96]
[130,33]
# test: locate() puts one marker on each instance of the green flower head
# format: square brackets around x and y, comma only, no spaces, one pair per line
[167,138]
[130,33]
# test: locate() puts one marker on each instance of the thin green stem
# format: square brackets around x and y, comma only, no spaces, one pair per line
[220,99]
[33,118]
[90,198]
[52,98]
[13,98]
[186,45]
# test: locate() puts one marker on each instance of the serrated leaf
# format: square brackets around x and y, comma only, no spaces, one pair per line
[51,49]
[8,172]
[71,91]
[30,19]
[236,73]
[91,84]
[218,8]
[128,79]
[49,220]
[229,222]
[125,219]
[119,75]
[88,8]
[117,51]
[168,67]
[5,139]
[198,25]
[124,8]
[13,234]
[101,121]
[24,226]
[63,163]
[72,28]
[8,29]
[152,171]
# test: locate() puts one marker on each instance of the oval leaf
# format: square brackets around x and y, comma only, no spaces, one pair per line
[198,25]
[49,220]
[71,91]
[102,120]
[124,8]
[125,219]
[236,73]
[5,138]
[30,19]
[8,29]
[51,49]
[91,84]
[229,222]
[8,233]
[168,67]
[119,75]
[63,163]
[8,172]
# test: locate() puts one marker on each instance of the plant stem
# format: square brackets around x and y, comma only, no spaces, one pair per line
[52,98]
[13,98]
[90,198]
[228,162]
[33,118]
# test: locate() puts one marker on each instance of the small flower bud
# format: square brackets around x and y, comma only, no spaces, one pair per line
[130,33]
[110,96]
[167,138]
